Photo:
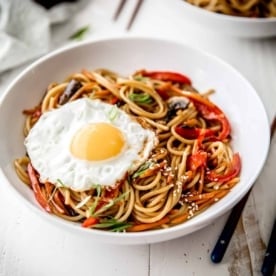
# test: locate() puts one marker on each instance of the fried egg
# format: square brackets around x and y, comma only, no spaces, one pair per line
[86,143]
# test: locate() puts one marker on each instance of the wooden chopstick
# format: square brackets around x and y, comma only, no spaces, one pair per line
[228,230]
[232,221]
[119,9]
[272,128]
[270,255]
[133,15]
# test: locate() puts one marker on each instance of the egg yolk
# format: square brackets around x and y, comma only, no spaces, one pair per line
[97,141]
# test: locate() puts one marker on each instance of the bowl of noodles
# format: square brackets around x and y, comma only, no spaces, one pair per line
[116,142]
[248,19]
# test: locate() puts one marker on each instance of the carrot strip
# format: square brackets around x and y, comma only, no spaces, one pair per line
[202,196]
[89,222]
[221,193]
[49,188]
[202,201]
[201,181]
[205,204]
[147,226]
[36,188]
[210,201]
[173,212]
[88,74]
[153,170]
[58,203]
[54,198]
[179,219]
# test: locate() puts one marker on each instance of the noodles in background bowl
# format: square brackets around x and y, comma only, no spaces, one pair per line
[191,168]
[243,8]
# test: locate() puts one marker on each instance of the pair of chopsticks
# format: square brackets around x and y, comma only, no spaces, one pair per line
[134,12]
[231,223]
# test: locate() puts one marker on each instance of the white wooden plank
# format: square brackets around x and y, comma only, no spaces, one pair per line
[30,246]
[189,255]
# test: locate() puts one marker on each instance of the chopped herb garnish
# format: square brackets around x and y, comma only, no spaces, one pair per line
[95,203]
[113,113]
[83,202]
[142,169]
[112,225]
[111,203]
[129,179]
[140,78]
[52,194]
[141,98]
[60,183]
[120,228]
[79,34]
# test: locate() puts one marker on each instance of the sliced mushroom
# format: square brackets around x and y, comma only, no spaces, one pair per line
[72,87]
[175,104]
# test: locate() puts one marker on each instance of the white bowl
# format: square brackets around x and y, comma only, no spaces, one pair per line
[125,55]
[226,24]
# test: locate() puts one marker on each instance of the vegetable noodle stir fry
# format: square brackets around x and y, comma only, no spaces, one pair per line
[244,8]
[142,152]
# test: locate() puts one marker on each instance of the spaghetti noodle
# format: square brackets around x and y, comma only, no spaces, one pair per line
[191,168]
[244,8]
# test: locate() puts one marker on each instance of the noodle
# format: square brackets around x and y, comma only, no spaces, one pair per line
[244,8]
[191,168]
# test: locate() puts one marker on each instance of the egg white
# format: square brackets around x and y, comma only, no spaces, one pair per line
[48,145]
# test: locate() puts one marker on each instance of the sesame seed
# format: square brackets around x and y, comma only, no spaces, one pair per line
[184,177]
[191,213]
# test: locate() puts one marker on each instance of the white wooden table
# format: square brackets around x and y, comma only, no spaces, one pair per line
[30,246]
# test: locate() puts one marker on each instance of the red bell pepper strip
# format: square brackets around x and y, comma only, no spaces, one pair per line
[193,133]
[234,170]
[167,76]
[197,160]
[199,157]
[36,188]
[214,113]
[113,192]
[89,222]
[208,110]
[163,93]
